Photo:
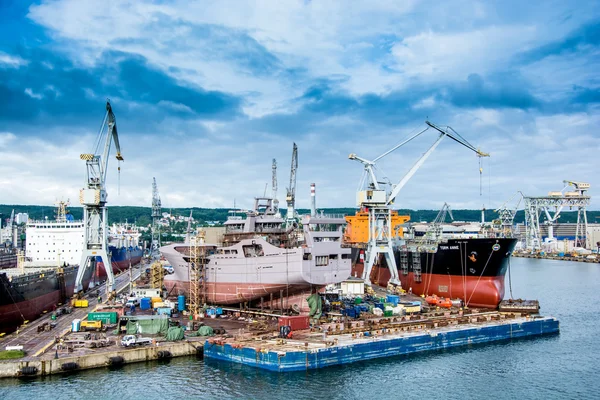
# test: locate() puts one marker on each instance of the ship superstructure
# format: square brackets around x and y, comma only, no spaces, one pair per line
[51,243]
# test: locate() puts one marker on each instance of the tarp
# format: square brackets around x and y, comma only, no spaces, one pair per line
[315,304]
[175,333]
[204,330]
[148,326]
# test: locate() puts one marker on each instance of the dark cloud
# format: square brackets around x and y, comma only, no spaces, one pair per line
[506,90]
[587,35]
[583,95]
[59,89]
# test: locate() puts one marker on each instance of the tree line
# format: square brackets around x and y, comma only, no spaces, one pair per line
[141,216]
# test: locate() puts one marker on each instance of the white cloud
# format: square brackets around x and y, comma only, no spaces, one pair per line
[10,61]
[33,95]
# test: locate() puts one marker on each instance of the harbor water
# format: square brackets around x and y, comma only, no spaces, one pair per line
[560,366]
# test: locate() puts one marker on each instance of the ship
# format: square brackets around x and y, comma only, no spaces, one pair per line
[262,256]
[26,293]
[123,248]
[466,262]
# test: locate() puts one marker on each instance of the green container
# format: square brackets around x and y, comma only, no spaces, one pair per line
[357,300]
[388,313]
[107,317]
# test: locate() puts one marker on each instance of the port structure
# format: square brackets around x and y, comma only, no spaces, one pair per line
[93,198]
[506,215]
[290,197]
[156,215]
[552,205]
[197,272]
[374,198]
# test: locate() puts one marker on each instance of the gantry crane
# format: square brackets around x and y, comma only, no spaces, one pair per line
[291,190]
[374,199]
[93,199]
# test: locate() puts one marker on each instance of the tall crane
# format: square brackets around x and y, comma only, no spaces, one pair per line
[291,190]
[156,214]
[377,202]
[93,198]
[274,187]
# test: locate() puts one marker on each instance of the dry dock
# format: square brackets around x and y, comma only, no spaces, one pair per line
[376,339]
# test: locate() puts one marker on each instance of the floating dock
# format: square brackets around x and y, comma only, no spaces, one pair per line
[321,350]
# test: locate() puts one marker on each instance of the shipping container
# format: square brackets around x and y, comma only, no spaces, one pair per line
[145,303]
[107,318]
[296,322]
[80,303]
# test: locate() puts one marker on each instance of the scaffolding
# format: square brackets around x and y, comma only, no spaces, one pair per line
[197,273]
[157,275]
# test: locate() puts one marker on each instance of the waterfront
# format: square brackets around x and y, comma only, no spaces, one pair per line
[561,366]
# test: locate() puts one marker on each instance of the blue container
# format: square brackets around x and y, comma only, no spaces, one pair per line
[180,303]
[363,308]
[163,311]
[349,312]
[145,303]
[219,311]
[392,298]
[380,306]
[357,311]
[210,311]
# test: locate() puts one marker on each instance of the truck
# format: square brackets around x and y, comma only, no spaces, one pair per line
[90,325]
[133,340]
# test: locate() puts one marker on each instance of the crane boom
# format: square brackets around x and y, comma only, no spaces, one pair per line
[377,202]
[274,187]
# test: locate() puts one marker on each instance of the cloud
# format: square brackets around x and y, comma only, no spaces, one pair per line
[581,39]
[207,93]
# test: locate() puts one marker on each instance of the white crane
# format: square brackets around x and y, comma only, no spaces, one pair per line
[376,200]
[93,198]
[291,190]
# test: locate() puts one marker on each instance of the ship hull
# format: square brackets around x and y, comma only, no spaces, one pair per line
[26,301]
[469,269]
[120,260]
[232,278]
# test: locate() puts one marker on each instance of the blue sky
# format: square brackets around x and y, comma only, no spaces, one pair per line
[207,93]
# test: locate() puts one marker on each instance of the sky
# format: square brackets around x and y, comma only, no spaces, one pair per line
[207,93]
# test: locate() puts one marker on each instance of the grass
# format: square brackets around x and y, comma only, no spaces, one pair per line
[11,354]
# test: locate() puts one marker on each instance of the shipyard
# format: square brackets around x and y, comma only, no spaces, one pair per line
[316,199]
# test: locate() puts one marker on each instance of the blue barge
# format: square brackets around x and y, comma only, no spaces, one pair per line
[284,356]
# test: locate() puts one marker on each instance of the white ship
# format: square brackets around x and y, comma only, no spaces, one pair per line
[53,243]
[260,257]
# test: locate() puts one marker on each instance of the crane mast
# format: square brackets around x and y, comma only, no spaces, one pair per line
[291,190]
[93,198]
[156,214]
[377,201]
[274,187]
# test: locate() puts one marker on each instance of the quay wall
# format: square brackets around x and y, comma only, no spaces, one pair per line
[13,368]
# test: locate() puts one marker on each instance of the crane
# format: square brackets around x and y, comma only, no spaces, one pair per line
[93,198]
[274,187]
[507,215]
[377,202]
[156,214]
[291,190]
